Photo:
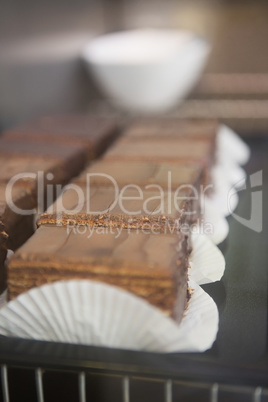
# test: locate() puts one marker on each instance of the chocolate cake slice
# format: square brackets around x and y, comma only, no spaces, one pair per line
[152,266]
[136,244]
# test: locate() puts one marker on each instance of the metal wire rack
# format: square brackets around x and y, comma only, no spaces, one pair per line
[123,388]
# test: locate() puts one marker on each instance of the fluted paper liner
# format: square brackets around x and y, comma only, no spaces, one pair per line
[93,313]
[86,312]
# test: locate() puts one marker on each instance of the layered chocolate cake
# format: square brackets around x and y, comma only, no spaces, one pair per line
[152,266]
[132,223]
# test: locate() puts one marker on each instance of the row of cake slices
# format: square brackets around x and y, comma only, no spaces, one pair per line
[126,219]
[34,160]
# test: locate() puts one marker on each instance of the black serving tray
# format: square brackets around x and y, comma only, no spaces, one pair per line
[234,369]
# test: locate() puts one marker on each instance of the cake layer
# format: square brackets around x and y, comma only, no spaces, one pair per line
[172,127]
[93,133]
[152,266]
[154,224]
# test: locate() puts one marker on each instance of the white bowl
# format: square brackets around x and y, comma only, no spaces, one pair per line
[146,70]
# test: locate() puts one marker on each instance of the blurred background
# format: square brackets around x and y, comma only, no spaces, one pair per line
[41,69]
